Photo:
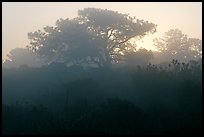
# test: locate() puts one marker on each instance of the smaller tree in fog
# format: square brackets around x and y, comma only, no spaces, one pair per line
[176,45]
[21,56]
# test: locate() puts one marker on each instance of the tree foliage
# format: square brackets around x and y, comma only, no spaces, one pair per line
[177,45]
[96,36]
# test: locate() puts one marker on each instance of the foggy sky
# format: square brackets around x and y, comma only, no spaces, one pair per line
[19,18]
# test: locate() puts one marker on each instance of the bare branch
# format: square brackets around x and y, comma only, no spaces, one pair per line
[126,39]
[120,43]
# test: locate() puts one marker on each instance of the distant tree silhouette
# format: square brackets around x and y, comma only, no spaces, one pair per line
[96,36]
[21,56]
[176,45]
[140,57]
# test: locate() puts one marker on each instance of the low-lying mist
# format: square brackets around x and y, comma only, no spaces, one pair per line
[83,76]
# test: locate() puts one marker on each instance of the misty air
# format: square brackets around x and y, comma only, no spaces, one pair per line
[90,75]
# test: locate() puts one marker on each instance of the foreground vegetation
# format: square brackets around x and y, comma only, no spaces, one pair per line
[145,100]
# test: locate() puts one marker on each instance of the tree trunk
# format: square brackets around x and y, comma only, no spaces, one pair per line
[107,59]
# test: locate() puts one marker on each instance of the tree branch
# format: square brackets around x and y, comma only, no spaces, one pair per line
[110,33]
[121,42]
[126,39]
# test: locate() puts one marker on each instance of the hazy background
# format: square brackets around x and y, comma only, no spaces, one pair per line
[19,18]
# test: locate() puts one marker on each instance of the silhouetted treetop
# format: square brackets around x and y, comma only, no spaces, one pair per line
[96,36]
[177,45]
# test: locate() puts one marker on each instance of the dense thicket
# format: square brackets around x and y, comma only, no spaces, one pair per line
[144,100]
